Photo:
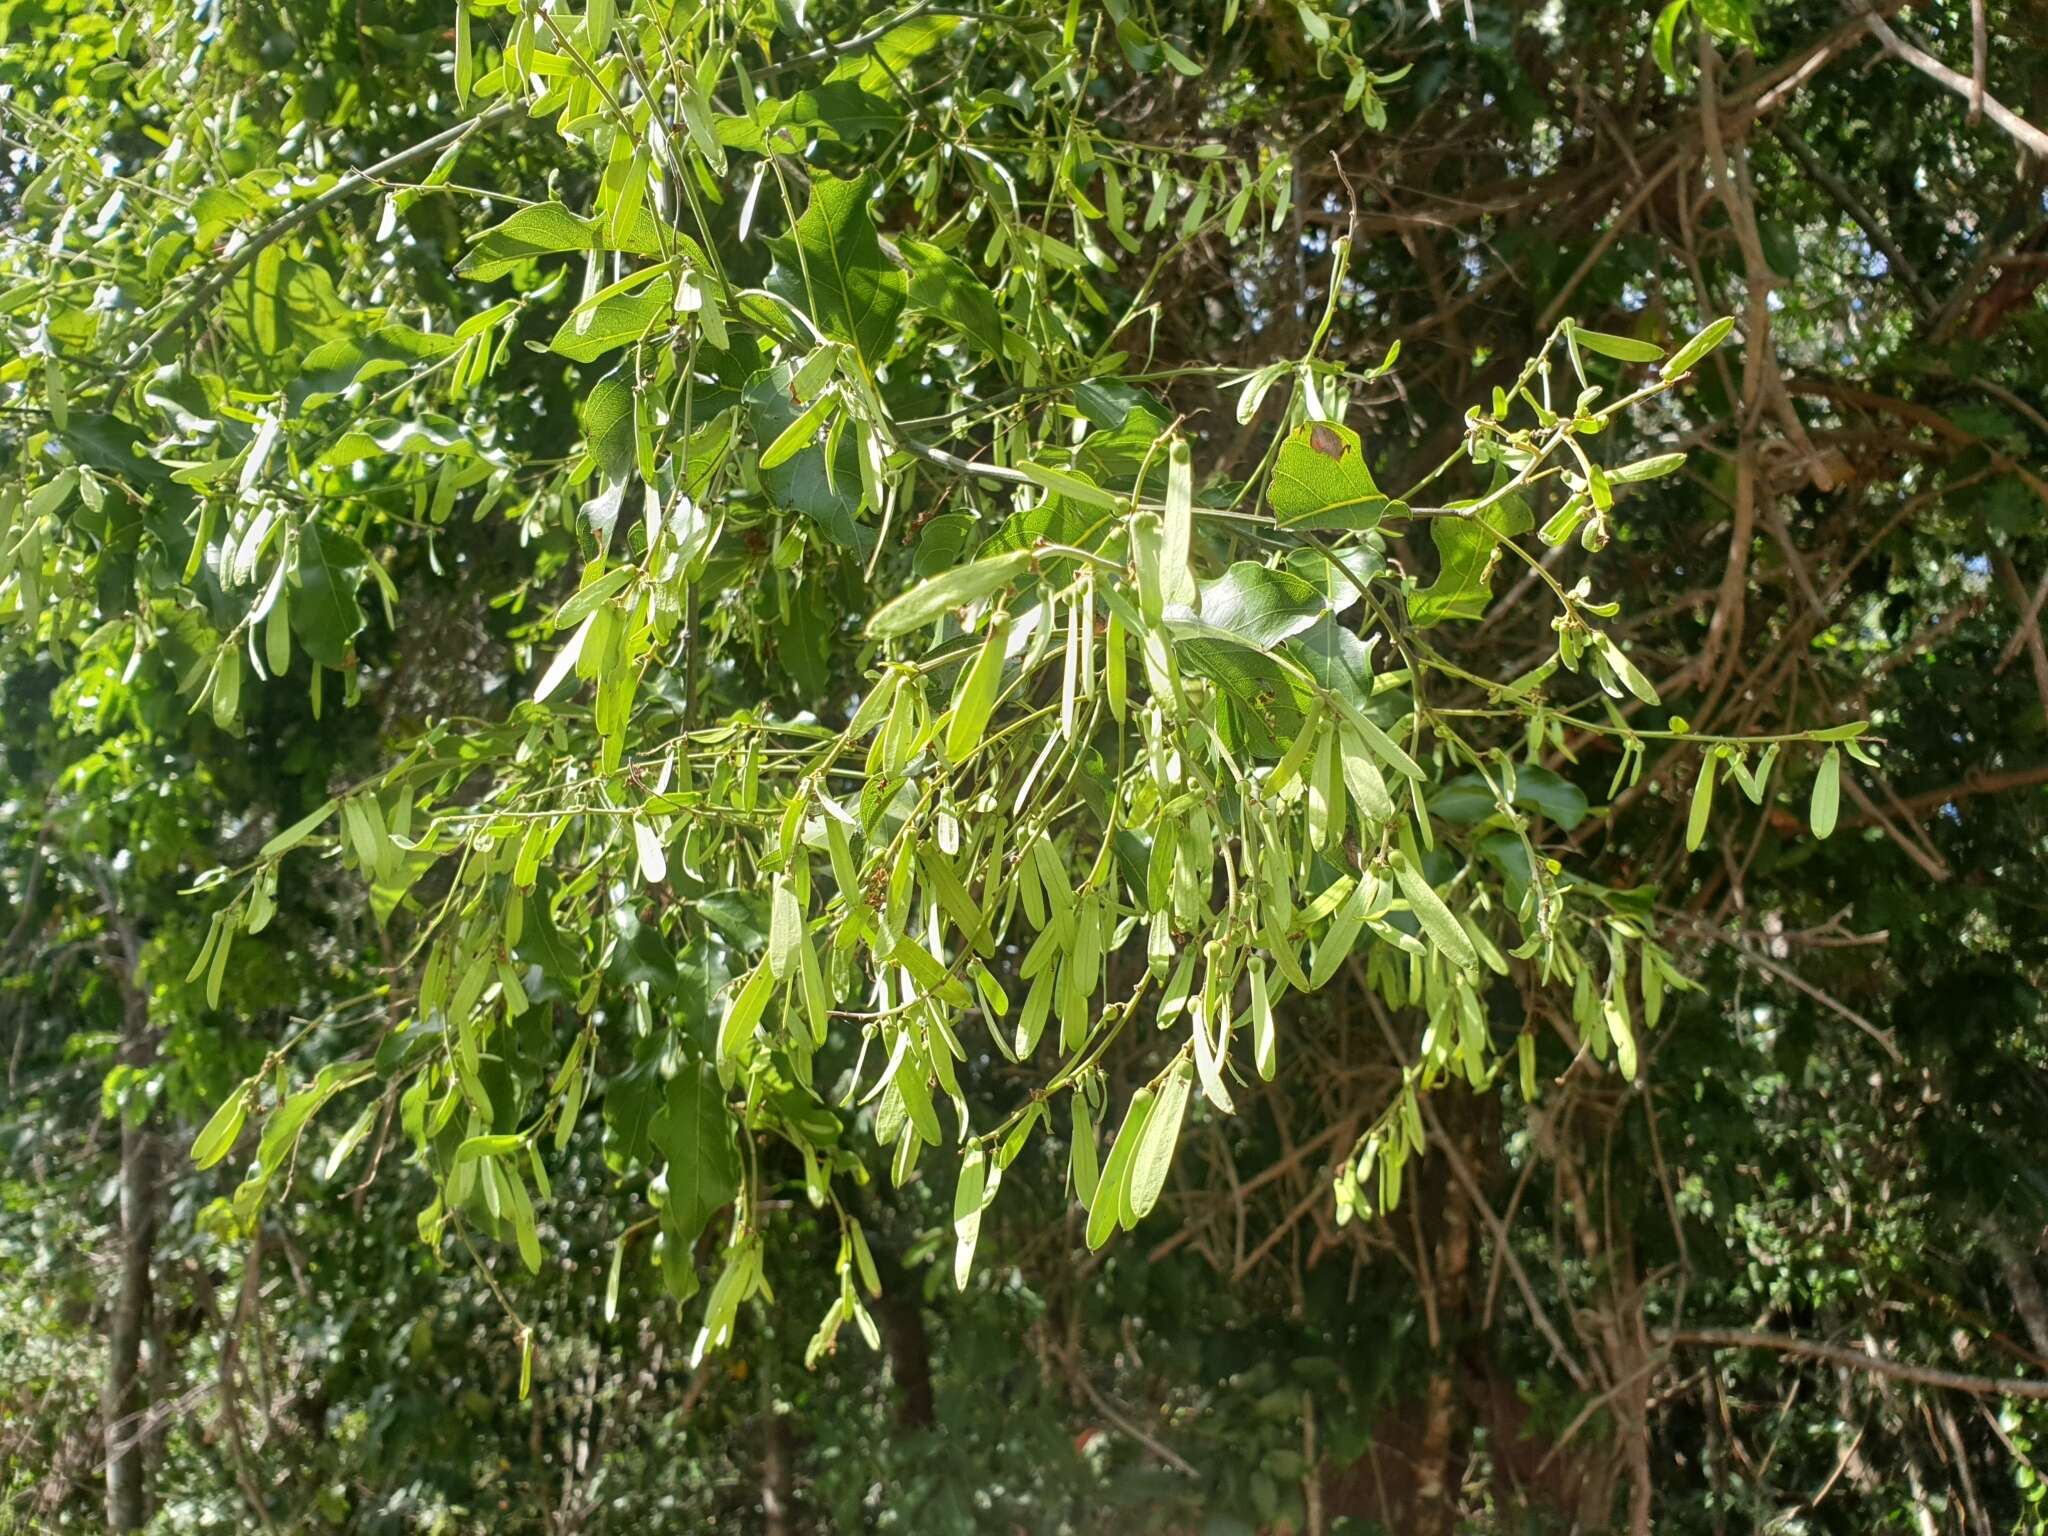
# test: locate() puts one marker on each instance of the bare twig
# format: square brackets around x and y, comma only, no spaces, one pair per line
[1856,1360]
[2034,140]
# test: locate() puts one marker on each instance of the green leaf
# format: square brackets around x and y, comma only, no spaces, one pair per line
[1321,481]
[1467,547]
[607,417]
[945,286]
[842,110]
[837,273]
[1267,695]
[325,614]
[1729,19]
[800,482]
[549,229]
[332,368]
[1336,658]
[1255,605]
[283,308]
[613,322]
[1827,793]
[693,1131]
[956,588]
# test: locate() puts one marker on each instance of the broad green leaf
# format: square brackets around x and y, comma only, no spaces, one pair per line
[324,612]
[607,417]
[800,482]
[615,321]
[842,110]
[1336,658]
[693,1132]
[1177,582]
[945,286]
[837,273]
[1255,605]
[336,366]
[282,308]
[1468,547]
[1321,481]
[549,229]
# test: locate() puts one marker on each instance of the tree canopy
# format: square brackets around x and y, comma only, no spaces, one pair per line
[1023,766]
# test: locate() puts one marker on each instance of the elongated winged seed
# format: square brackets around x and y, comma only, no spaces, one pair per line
[1110,1188]
[1827,793]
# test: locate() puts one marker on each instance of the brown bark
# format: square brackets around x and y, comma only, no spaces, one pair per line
[2017,1264]
[910,1359]
[776,1475]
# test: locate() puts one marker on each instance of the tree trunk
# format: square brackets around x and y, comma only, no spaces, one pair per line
[121,1405]
[910,1358]
[775,1475]
[2027,1299]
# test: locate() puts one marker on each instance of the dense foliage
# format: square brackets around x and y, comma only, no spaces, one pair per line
[1028,766]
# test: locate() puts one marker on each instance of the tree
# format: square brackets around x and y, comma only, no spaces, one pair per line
[859,674]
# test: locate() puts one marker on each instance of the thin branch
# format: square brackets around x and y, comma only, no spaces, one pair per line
[2032,138]
[284,224]
[1856,1360]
